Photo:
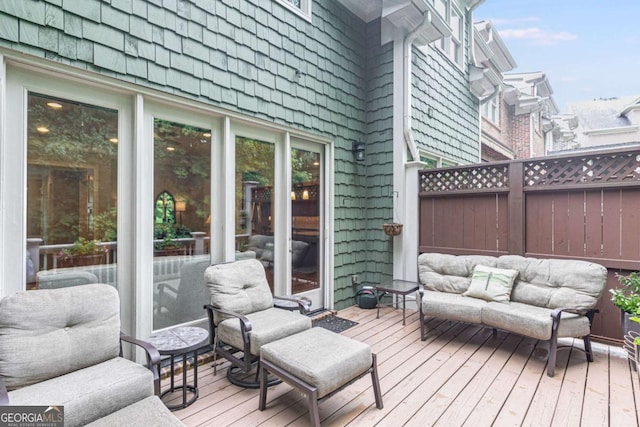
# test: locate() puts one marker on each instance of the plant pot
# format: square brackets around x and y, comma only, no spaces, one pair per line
[81,260]
[170,251]
[630,330]
[392,229]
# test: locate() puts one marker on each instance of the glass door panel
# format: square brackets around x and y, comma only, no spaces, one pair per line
[306,208]
[181,207]
[254,201]
[72,171]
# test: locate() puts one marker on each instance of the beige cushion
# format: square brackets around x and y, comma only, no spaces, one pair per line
[555,283]
[90,393]
[449,273]
[239,286]
[47,333]
[491,284]
[444,305]
[320,358]
[532,321]
[147,412]
[266,326]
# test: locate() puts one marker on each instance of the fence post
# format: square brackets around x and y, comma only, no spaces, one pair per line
[199,242]
[516,209]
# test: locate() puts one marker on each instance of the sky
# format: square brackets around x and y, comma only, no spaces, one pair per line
[588,49]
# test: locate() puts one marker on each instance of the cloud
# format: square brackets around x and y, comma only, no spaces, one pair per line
[567,79]
[513,21]
[536,36]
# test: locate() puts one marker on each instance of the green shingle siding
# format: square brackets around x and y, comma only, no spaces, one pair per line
[243,56]
[9,28]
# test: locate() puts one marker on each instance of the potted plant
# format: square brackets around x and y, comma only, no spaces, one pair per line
[168,246]
[83,252]
[627,299]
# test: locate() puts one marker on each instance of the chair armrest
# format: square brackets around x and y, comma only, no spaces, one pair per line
[304,304]
[556,313]
[161,297]
[4,395]
[153,358]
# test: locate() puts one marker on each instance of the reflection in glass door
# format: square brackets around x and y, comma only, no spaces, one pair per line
[254,200]
[306,242]
[181,207]
[72,170]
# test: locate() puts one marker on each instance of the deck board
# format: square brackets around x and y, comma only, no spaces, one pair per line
[460,375]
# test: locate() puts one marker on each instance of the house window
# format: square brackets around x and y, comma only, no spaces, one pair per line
[491,110]
[301,7]
[452,45]
[432,161]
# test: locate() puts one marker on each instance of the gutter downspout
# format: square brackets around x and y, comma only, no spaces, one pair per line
[472,49]
[408,44]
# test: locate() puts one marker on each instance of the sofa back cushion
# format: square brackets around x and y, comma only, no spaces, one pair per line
[239,286]
[449,273]
[51,332]
[554,283]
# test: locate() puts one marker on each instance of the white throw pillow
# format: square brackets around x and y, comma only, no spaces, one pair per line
[491,284]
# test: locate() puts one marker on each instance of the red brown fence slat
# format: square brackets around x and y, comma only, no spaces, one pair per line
[584,206]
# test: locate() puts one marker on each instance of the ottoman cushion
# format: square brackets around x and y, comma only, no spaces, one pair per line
[320,358]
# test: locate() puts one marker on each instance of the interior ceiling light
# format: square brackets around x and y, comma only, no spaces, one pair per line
[42,129]
[206,135]
[54,105]
[316,163]
[113,140]
[170,148]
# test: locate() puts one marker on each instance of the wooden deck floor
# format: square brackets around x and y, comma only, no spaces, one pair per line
[459,376]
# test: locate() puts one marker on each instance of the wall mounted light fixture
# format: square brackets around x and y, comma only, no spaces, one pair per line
[358,150]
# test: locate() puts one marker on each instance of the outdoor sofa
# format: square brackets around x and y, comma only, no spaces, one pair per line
[545,299]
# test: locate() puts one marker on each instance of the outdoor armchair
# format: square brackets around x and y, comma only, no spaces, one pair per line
[64,346]
[243,317]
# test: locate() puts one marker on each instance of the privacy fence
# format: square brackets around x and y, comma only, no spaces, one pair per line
[584,206]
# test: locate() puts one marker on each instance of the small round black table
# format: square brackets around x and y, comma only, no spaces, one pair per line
[181,341]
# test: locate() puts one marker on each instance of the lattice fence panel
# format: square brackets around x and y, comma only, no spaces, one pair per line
[472,178]
[591,169]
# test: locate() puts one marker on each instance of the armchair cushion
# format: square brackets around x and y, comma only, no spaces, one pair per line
[239,286]
[48,333]
[267,326]
[91,393]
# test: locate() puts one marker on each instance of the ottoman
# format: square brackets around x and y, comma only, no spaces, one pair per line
[318,363]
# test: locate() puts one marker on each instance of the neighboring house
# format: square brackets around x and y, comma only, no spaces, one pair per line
[598,124]
[516,108]
[492,60]
[238,121]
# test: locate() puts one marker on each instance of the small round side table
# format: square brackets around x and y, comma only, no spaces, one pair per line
[181,341]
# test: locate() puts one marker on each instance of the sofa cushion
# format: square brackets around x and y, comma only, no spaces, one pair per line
[90,393]
[47,333]
[532,321]
[554,283]
[491,284]
[449,273]
[239,286]
[267,326]
[452,306]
